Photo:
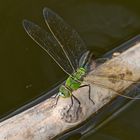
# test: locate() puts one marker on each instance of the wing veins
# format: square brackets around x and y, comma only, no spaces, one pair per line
[60,44]
[41,40]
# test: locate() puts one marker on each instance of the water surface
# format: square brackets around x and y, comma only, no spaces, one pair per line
[26,71]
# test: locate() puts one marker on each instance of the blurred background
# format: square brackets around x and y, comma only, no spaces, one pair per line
[26,70]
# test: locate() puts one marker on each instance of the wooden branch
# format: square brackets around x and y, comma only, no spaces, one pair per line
[44,122]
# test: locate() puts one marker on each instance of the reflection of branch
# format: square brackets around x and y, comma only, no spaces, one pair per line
[43,122]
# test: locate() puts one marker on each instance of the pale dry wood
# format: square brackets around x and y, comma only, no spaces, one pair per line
[43,122]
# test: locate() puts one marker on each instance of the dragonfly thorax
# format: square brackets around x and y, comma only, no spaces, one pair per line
[74,81]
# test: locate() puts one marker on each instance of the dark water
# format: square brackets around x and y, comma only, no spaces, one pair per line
[26,71]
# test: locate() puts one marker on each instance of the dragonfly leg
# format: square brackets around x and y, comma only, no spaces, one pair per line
[78,105]
[70,105]
[88,85]
[57,98]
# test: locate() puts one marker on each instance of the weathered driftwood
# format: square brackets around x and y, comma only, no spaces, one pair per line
[43,122]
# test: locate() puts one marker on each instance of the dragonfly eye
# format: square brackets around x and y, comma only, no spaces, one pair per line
[61,94]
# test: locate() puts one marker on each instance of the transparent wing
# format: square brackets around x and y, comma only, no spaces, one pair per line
[117,76]
[70,41]
[132,93]
[48,43]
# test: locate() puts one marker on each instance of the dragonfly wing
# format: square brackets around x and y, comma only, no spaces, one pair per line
[115,75]
[48,43]
[68,38]
[112,69]
[132,92]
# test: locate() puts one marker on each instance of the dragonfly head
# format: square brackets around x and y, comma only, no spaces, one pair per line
[64,92]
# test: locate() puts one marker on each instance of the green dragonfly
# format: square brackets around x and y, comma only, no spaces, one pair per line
[66,48]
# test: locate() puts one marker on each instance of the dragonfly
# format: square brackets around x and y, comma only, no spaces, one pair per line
[67,49]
